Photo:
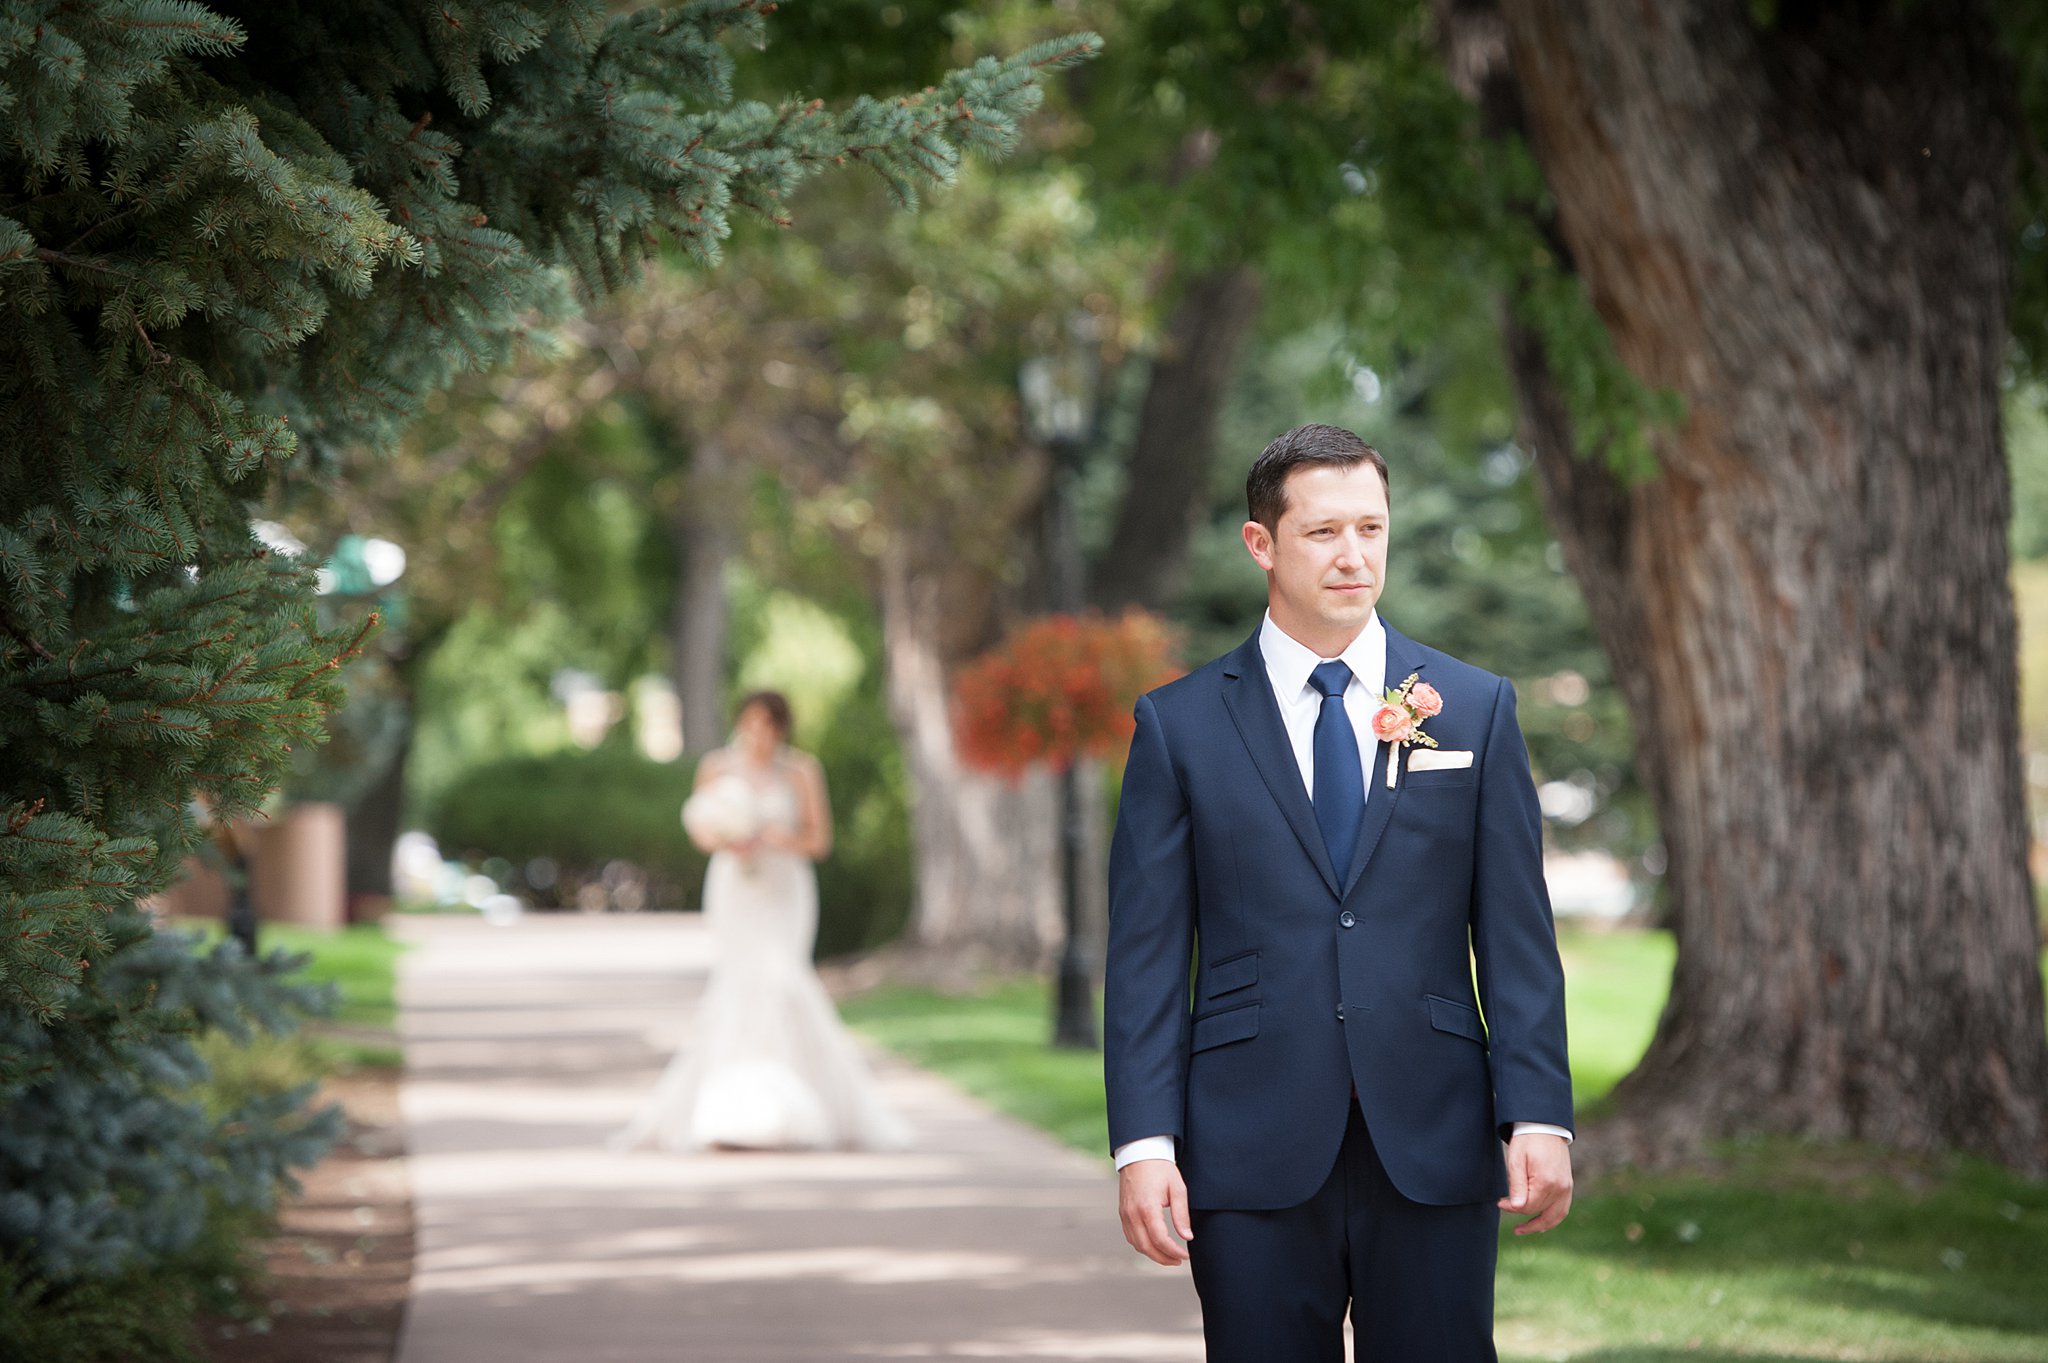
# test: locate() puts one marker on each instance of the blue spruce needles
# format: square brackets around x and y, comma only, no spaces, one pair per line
[238,242]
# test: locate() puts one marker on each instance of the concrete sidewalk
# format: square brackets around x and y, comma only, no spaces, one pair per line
[526,1045]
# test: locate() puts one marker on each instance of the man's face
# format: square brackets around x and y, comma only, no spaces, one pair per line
[1327,559]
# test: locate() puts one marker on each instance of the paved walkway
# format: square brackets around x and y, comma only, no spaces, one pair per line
[525,1045]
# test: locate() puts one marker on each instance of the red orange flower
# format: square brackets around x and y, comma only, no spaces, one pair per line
[1060,688]
[1392,724]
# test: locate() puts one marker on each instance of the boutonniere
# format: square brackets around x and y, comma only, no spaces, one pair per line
[1399,720]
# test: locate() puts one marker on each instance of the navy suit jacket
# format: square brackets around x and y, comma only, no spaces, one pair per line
[1304,987]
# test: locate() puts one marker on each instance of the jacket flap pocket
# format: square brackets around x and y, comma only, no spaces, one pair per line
[1448,1015]
[1233,1024]
[1235,973]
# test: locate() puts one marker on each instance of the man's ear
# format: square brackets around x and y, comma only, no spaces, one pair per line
[1259,544]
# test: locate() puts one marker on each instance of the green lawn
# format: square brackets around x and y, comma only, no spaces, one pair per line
[1788,1254]
[361,961]
[1784,1254]
[994,1045]
[1614,987]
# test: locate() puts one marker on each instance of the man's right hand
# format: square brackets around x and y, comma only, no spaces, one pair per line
[1154,1205]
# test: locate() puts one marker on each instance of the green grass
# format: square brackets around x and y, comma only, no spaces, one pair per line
[1614,987]
[1788,1253]
[993,1045]
[361,961]
[1780,1253]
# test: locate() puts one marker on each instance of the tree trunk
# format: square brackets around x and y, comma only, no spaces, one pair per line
[372,830]
[701,530]
[1803,230]
[1167,495]
[987,851]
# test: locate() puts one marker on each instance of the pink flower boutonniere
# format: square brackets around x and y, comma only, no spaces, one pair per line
[1399,720]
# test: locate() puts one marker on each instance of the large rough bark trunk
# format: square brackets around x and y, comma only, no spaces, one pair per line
[1803,230]
[701,530]
[987,851]
[1167,492]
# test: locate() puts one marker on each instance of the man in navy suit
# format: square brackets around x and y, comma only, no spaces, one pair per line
[1337,1118]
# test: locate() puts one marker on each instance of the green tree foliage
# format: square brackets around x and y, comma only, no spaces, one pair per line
[132,1167]
[112,1155]
[239,243]
[1474,568]
[227,236]
[2024,27]
[1328,143]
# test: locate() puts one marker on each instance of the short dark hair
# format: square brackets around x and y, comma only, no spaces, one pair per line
[775,704]
[1265,487]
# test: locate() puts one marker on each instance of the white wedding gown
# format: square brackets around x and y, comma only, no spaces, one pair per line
[769,1065]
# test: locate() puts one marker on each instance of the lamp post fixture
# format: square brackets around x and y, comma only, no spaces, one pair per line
[1058,393]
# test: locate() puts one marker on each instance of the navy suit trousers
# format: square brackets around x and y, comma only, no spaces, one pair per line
[1418,1279]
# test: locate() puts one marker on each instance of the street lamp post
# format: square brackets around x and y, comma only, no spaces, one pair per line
[1058,393]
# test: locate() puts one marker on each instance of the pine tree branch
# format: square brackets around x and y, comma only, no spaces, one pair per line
[333,664]
[48,256]
[208,212]
[35,645]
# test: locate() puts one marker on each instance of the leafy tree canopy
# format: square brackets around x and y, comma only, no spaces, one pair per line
[230,234]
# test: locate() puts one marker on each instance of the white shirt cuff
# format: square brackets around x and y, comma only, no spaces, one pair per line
[1147,1147]
[1541,1129]
[1162,1147]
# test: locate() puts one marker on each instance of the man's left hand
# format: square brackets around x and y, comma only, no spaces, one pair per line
[1539,1181]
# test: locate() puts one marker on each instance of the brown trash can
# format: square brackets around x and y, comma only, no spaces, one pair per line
[296,871]
[300,873]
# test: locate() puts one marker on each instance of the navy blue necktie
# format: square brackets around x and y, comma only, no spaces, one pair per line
[1339,792]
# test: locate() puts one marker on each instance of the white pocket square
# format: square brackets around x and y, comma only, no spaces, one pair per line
[1438,759]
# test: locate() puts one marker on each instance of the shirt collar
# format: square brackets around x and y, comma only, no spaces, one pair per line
[1289,661]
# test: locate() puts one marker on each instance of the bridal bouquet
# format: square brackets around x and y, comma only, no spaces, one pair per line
[723,812]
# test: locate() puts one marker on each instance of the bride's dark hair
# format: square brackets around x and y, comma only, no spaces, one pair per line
[775,704]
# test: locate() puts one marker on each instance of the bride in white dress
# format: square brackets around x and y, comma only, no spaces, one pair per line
[768,1065]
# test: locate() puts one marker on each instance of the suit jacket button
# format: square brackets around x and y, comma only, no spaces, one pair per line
[1340,1012]
[1347,919]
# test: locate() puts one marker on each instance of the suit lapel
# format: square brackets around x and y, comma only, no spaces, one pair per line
[1403,657]
[1249,698]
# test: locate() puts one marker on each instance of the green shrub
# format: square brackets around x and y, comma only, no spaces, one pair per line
[865,886]
[143,1315]
[582,809]
[147,1314]
[133,1171]
[587,809]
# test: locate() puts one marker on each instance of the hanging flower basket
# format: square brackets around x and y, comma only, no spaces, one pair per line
[1059,689]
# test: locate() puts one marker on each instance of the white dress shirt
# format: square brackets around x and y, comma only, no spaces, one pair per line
[1288,665]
